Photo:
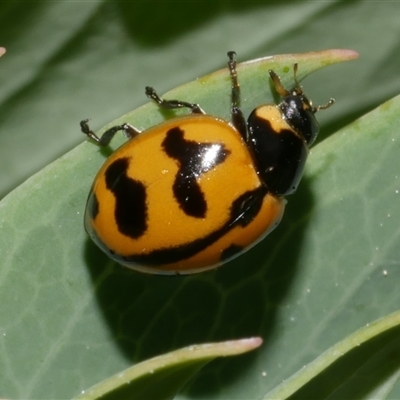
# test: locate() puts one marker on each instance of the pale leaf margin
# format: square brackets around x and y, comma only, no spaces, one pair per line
[194,356]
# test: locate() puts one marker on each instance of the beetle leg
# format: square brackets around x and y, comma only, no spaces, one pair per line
[237,116]
[107,136]
[172,104]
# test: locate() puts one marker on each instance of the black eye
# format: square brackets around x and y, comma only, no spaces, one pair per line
[297,111]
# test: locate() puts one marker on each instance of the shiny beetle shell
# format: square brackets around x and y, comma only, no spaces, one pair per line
[197,191]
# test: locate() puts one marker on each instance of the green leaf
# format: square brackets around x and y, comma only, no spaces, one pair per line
[365,365]
[162,377]
[211,91]
[306,287]
[82,308]
[349,262]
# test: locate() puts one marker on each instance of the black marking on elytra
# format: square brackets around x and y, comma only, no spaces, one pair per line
[246,207]
[92,206]
[230,252]
[130,199]
[244,210]
[194,160]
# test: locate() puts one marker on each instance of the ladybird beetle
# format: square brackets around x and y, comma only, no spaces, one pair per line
[196,191]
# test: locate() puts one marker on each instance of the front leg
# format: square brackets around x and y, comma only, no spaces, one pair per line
[237,116]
